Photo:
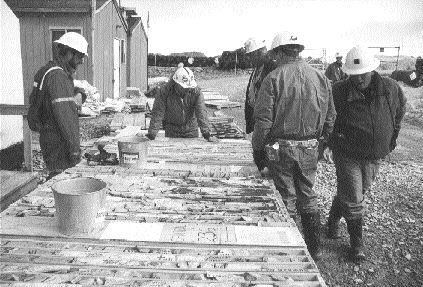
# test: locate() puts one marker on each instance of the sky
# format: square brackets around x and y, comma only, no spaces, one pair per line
[214,26]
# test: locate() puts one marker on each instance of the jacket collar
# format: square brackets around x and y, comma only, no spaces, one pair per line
[377,88]
[65,66]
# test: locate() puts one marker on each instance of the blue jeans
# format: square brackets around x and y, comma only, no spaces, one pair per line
[294,175]
[354,179]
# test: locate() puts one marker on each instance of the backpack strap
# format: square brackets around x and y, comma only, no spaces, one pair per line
[48,71]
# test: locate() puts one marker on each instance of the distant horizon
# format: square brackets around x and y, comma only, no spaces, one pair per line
[214,26]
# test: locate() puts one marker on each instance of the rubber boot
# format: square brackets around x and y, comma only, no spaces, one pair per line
[335,215]
[355,229]
[311,230]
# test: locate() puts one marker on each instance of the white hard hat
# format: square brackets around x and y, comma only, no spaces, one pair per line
[338,55]
[252,44]
[286,38]
[75,41]
[359,61]
[184,77]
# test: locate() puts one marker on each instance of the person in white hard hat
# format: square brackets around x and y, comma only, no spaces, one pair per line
[53,110]
[334,71]
[263,65]
[180,109]
[370,109]
[293,110]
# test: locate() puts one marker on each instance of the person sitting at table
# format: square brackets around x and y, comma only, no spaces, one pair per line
[180,108]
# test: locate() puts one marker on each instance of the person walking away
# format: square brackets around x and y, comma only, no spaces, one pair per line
[53,110]
[334,70]
[263,65]
[180,108]
[293,110]
[370,109]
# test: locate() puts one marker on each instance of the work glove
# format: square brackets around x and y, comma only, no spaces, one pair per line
[393,143]
[75,158]
[150,136]
[259,159]
[210,138]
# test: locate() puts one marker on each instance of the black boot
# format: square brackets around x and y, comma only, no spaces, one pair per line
[355,229]
[311,230]
[335,215]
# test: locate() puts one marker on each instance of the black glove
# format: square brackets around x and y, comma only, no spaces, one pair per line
[393,143]
[206,136]
[75,158]
[259,159]
[150,136]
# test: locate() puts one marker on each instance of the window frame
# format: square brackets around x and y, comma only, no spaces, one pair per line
[59,28]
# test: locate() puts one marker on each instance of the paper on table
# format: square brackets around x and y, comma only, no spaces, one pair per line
[267,236]
[134,231]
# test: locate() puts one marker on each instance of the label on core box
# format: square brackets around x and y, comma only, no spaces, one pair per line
[130,157]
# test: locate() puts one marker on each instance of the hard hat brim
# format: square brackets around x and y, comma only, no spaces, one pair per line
[60,42]
[373,66]
[185,86]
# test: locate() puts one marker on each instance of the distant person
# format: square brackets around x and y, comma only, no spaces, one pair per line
[57,116]
[179,107]
[334,70]
[370,109]
[294,108]
[411,78]
[263,65]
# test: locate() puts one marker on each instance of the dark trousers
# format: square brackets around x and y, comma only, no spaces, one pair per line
[294,175]
[354,179]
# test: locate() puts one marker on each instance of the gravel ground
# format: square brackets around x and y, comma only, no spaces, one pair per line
[393,232]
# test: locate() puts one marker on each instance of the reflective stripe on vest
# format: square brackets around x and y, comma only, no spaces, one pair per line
[49,70]
[59,100]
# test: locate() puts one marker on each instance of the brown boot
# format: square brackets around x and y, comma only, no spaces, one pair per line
[355,229]
[335,215]
[311,230]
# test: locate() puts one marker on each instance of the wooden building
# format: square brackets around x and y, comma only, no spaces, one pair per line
[116,36]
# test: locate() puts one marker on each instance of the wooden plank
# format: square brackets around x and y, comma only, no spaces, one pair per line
[6,109]
[27,141]
[222,104]
[14,185]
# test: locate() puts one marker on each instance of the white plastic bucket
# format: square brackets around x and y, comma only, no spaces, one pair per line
[78,202]
[133,151]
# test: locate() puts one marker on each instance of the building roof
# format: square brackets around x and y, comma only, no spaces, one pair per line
[45,6]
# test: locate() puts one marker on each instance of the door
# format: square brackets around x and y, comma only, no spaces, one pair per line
[116,68]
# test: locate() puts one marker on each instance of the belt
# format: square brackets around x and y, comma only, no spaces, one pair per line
[307,143]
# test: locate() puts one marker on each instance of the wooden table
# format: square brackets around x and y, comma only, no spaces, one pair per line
[15,184]
[217,225]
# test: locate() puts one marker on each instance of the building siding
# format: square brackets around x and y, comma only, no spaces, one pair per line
[36,42]
[108,26]
[138,59]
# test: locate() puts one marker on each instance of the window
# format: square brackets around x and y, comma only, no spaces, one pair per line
[122,51]
[56,33]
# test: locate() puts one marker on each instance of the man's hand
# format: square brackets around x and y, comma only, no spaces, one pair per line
[327,155]
[213,139]
[150,136]
[75,158]
[265,172]
[393,143]
[259,159]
